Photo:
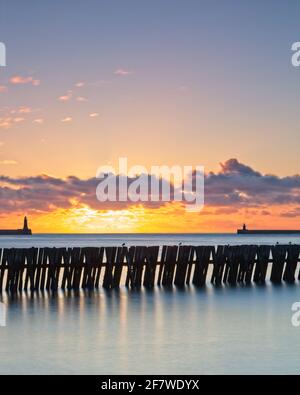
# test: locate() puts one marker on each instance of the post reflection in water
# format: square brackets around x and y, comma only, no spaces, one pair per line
[215,330]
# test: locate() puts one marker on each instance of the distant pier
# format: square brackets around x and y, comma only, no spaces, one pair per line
[135,267]
[246,231]
[17,232]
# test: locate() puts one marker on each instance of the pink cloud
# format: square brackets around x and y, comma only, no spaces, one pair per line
[20,80]
[66,97]
[12,116]
[6,122]
[94,115]
[24,110]
[81,99]
[18,119]
[67,119]
[122,72]
[3,88]
[39,121]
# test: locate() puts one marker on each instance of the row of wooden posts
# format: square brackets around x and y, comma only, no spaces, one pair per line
[111,267]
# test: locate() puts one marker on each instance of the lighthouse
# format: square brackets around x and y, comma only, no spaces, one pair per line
[17,232]
[26,230]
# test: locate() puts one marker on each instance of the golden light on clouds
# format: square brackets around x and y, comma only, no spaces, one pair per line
[171,218]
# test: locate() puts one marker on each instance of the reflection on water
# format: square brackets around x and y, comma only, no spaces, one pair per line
[225,330]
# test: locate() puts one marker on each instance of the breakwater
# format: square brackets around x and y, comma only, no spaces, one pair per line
[37,269]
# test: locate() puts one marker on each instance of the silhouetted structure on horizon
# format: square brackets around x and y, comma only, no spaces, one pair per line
[246,231]
[17,232]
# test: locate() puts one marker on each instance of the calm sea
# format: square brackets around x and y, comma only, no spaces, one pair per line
[209,331]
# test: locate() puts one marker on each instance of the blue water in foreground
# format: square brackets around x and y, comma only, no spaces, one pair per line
[239,330]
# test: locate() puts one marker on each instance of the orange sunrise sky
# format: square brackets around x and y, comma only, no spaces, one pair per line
[84,86]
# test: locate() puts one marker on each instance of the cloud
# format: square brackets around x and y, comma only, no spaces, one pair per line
[293,213]
[8,162]
[67,119]
[94,115]
[24,110]
[8,122]
[239,185]
[81,99]
[225,210]
[265,212]
[233,166]
[18,119]
[80,84]
[39,121]
[21,80]
[123,72]
[236,186]
[45,194]
[3,88]
[20,110]
[12,116]
[68,96]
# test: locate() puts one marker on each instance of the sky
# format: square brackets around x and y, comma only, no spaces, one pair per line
[161,82]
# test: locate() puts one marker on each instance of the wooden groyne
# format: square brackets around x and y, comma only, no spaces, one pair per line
[135,267]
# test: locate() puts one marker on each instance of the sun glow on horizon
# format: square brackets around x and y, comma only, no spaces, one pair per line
[170,218]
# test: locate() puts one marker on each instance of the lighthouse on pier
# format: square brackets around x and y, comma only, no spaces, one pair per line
[17,232]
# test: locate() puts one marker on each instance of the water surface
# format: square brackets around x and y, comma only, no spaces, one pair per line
[214,330]
[96,240]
